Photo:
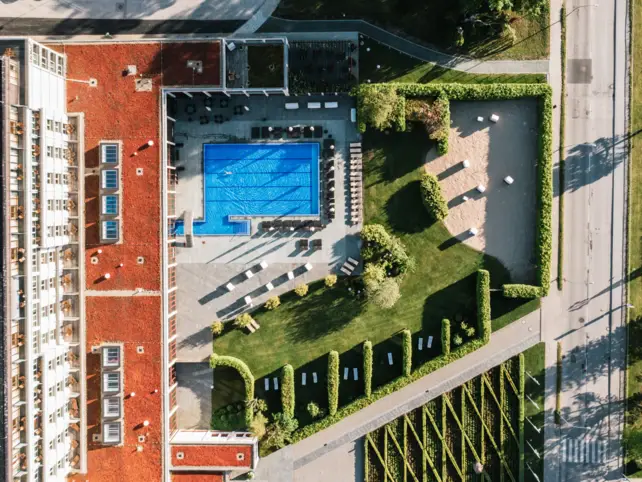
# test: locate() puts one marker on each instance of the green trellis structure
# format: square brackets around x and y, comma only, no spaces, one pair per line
[479,421]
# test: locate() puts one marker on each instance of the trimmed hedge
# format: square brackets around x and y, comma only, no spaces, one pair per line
[367,368]
[454,92]
[397,384]
[522,414]
[445,336]
[246,375]
[521,291]
[432,197]
[442,136]
[287,390]
[406,341]
[483,305]
[333,382]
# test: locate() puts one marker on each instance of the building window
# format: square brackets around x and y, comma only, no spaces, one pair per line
[112,407]
[57,153]
[14,73]
[49,125]
[111,356]
[110,230]
[61,65]
[110,179]
[111,382]
[57,127]
[110,204]
[111,433]
[109,153]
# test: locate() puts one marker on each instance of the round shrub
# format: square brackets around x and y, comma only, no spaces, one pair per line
[216,327]
[386,294]
[432,197]
[302,290]
[458,340]
[273,303]
[314,410]
[373,275]
[381,248]
[243,320]
[331,280]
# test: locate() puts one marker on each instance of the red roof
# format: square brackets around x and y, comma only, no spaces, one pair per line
[196,477]
[212,456]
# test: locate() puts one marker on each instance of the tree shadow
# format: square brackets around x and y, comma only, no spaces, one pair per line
[394,160]
[402,219]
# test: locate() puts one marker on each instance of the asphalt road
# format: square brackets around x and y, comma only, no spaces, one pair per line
[588,317]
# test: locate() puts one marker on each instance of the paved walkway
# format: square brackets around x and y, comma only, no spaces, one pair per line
[279,25]
[259,18]
[504,344]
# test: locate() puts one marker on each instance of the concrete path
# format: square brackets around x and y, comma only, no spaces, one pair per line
[279,25]
[504,344]
[259,18]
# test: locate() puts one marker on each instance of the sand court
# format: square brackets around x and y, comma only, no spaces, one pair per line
[504,216]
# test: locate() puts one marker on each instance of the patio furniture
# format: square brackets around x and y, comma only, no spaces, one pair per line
[389,358]
[429,343]
[465,163]
[224,103]
[317,243]
[266,384]
[265,132]
[318,132]
[353,115]
[269,287]
[472,232]
[346,370]
[250,328]
[303,378]
[275,383]
[249,274]
[248,300]
[480,119]
[353,262]
[303,244]
[266,225]
[481,188]
[230,287]
[355,144]
[290,275]
[291,105]
[494,118]
[355,374]
[307,266]
[328,144]
[314,377]
[345,271]
[190,109]
[509,180]
[331,105]
[263,264]
[420,344]
[314,105]
[238,110]
[204,120]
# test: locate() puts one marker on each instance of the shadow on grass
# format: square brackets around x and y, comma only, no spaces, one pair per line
[414,220]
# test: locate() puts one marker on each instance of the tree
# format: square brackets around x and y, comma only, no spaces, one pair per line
[257,405]
[386,294]
[257,427]
[301,290]
[243,320]
[331,280]
[216,327]
[632,439]
[378,106]
[279,432]
[273,303]
[373,276]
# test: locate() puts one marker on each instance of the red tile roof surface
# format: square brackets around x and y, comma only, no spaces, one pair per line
[196,477]
[115,111]
[212,456]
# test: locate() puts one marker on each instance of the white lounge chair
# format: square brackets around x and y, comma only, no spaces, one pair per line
[346,370]
[251,328]
[420,343]
[429,344]
[275,382]
[494,118]
[249,274]
[345,271]
[230,287]
[248,300]
[355,373]
[509,180]
[389,358]
[353,262]
[290,275]
[263,264]
[292,105]
[308,266]
[331,105]
[269,287]
[303,378]
[481,188]
[314,105]
[314,377]
[267,384]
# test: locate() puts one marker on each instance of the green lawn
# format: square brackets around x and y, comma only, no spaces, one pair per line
[434,23]
[634,408]
[303,330]
[535,366]
[395,66]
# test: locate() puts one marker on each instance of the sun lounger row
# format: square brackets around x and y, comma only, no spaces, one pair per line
[292,225]
[349,266]
[356,182]
[292,132]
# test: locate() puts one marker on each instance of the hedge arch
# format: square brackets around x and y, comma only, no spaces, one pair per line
[246,375]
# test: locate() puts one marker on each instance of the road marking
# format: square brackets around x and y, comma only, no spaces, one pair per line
[583,451]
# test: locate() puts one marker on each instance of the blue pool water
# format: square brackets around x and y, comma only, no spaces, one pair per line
[256,180]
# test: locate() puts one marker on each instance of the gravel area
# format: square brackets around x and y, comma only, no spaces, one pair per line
[503,215]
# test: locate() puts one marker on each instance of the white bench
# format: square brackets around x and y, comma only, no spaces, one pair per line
[353,114]
[429,344]
[303,378]
[346,371]
[292,105]
[275,381]
[355,372]
[389,358]
[420,344]
[331,105]
[314,377]
[314,105]
[267,384]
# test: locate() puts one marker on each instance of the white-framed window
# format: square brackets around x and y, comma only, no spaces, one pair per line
[111,356]
[110,179]
[111,407]
[111,382]
[49,126]
[110,230]
[61,62]
[111,432]
[49,150]
[57,152]
[57,126]
[14,73]
[109,153]
[110,204]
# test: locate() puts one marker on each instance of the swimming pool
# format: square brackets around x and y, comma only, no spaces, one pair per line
[256,180]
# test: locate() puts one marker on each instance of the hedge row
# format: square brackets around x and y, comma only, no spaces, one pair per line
[397,384]
[287,390]
[521,291]
[484,327]
[406,341]
[367,368]
[333,382]
[522,414]
[455,92]
[432,197]
[444,131]
[445,336]
[246,375]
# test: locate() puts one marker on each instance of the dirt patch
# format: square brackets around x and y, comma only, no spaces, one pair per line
[503,215]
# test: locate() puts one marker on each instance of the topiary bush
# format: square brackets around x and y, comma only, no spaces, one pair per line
[243,320]
[302,290]
[333,382]
[385,295]
[483,305]
[445,336]
[246,375]
[432,197]
[367,367]
[273,303]
[331,280]
[287,390]
[216,327]
[521,291]
[406,343]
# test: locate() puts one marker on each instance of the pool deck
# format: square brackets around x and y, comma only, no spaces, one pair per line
[205,269]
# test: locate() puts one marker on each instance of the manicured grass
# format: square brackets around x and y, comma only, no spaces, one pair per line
[433,23]
[395,66]
[303,330]
[535,366]
[634,354]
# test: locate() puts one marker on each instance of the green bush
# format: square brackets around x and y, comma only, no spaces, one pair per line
[314,411]
[521,291]
[432,197]
[243,320]
[279,433]
[458,340]
[333,382]
[302,290]
[445,336]
[379,109]
[385,295]
[330,280]
[483,305]
[373,276]
[367,367]
[273,303]
[258,425]
[216,327]
[379,247]
[229,417]
[246,375]
[287,390]
[406,343]
[433,115]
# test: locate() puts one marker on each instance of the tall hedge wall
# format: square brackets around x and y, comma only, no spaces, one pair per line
[367,367]
[333,382]
[246,375]
[543,92]
[445,336]
[483,305]
[287,390]
[406,340]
